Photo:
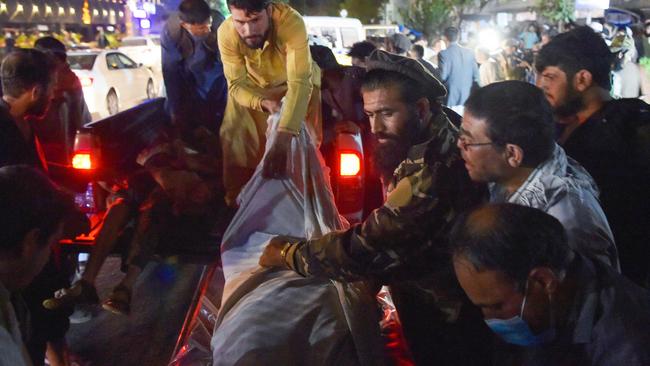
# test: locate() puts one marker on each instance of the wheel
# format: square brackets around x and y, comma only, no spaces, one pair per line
[151,90]
[112,103]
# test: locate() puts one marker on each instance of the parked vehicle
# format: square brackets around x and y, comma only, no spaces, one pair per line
[380,30]
[341,33]
[145,50]
[111,81]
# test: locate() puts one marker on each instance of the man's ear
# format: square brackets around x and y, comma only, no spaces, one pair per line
[582,80]
[423,108]
[514,155]
[35,92]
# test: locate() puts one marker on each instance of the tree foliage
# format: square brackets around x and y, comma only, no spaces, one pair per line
[431,17]
[561,11]
[316,7]
[427,16]
[219,5]
[364,10]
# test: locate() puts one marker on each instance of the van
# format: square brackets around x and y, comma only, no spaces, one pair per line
[341,33]
[380,30]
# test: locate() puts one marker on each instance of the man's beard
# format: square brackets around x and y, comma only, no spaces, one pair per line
[257,42]
[388,155]
[571,105]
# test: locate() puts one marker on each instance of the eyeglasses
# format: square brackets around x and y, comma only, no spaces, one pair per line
[465,146]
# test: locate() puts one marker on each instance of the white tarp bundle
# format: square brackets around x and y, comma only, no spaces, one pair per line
[277,317]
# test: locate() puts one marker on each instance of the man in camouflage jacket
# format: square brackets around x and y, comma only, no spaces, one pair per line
[403,244]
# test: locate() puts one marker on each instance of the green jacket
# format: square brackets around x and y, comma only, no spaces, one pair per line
[406,238]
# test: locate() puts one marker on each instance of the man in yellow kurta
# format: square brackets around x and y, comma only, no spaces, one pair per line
[266,57]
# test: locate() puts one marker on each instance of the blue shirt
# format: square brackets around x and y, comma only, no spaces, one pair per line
[194,80]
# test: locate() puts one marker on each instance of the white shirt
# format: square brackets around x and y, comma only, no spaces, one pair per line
[12,349]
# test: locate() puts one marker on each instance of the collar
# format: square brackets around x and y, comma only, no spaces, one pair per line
[582,315]
[439,129]
[270,40]
[548,175]
[441,140]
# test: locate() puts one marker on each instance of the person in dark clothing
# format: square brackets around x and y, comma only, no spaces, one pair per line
[548,304]
[101,39]
[27,83]
[360,51]
[68,111]
[31,217]
[192,68]
[610,138]
[417,53]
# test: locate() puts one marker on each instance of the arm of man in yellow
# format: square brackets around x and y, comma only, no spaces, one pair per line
[292,31]
[234,68]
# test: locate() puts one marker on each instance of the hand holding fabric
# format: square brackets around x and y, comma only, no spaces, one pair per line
[273,253]
[275,163]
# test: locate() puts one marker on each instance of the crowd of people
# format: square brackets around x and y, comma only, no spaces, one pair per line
[514,220]
[514,58]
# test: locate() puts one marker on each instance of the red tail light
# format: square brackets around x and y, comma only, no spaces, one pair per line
[349,164]
[82,161]
[86,81]
[86,153]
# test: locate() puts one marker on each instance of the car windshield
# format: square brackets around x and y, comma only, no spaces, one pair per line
[81,62]
[134,42]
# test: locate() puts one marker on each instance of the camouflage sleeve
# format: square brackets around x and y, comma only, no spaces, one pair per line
[390,236]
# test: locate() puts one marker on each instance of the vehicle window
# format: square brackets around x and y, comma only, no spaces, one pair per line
[127,62]
[350,36]
[329,34]
[134,42]
[112,62]
[81,62]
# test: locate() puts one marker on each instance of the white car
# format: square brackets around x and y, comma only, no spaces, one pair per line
[145,50]
[111,81]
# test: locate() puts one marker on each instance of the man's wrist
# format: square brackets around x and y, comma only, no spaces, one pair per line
[288,255]
[288,131]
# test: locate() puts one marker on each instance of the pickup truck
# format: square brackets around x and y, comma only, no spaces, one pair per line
[107,149]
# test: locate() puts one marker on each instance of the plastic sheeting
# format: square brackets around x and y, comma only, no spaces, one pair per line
[277,317]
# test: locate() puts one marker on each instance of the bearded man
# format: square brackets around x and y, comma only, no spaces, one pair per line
[266,57]
[610,138]
[403,243]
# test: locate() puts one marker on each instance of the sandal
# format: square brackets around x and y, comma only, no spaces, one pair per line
[81,292]
[119,301]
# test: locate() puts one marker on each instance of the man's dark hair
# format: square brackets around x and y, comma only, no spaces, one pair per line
[26,68]
[516,112]
[451,33]
[362,49]
[324,57]
[512,239]
[29,200]
[194,11]
[52,46]
[410,90]
[250,6]
[419,50]
[579,49]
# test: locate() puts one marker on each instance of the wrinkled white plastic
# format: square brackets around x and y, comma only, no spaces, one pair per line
[277,317]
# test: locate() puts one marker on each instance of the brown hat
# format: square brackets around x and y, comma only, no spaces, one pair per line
[382,60]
